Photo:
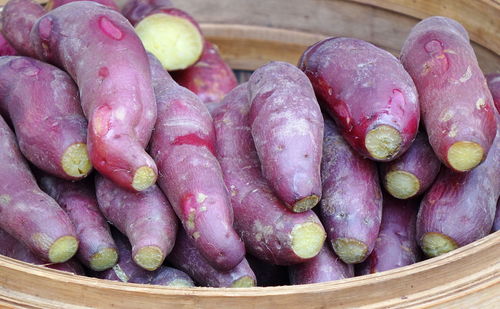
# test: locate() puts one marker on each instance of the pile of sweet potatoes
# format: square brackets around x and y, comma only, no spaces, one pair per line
[129,152]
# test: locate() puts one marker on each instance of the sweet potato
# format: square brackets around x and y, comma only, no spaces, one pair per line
[269,231]
[183,146]
[5,48]
[95,45]
[12,248]
[145,217]
[186,257]
[168,276]
[268,274]
[42,103]
[396,244]
[324,267]
[97,249]
[210,78]
[494,86]
[412,173]
[18,18]
[287,128]
[366,90]
[170,34]
[457,108]
[27,213]
[351,208]
[460,207]
[52,4]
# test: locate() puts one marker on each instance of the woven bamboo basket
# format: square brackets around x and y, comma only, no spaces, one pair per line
[250,33]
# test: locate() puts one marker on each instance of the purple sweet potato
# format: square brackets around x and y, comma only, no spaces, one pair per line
[52,4]
[12,248]
[183,146]
[210,78]
[269,231]
[366,90]
[460,208]
[172,35]
[412,173]
[396,244]
[5,48]
[324,267]
[42,103]
[496,223]
[457,108]
[168,276]
[97,249]
[100,50]
[17,18]
[145,217]
[26,212]
[287,128]
[268,274]
[493,80]
[186,257]
[351,208]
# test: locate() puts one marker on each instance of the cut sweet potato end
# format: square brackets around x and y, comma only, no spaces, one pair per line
[383,142]
[307,239]
[435,244]
[174,40]
[349,250]
[149,257]
[243,282]
[104,259]
[464,156]
[180,283]
[63,249]
[144,178]
[306,203]
[402,184]
[75,161]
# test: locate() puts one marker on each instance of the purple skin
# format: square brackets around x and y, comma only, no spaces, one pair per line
[268,274]
[364,88]
[42,103]
[12,248]
[496,223]
[493,80]
[26,212]
[183,146]
[419,161]
[460,207]
[5,48]
[18,18]
[137,10]
[80,203]
[351,208]
[262,220]
[95,45]
[145,217]
[287,128]
[186,257]
[168,276]
[396,244]
[455,102]
[324,267]
[52,4]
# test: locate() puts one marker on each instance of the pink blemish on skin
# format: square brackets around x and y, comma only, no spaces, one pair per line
[45,28]
[101,120]
[110,29]
[439,58]
[103,72]
[195,140]
[397,103]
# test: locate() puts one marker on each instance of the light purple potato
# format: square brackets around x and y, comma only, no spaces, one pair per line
[324,267]
[99,49]
[186,257]
[17,20]
[12,248]
[414,172]
[97,248]
[145,217]
[351,208]
[456,105]
[269,230]
[396,244]
[27,213]
[368,93]
[287,129]
[268,274]
[42,103]
[183,146]
[460,208]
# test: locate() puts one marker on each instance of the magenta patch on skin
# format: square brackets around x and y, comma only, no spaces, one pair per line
[440,60]
[103,72]
[195,140]
[101,120]
[45,28]
[24,66]
[110,29]
[397,103]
